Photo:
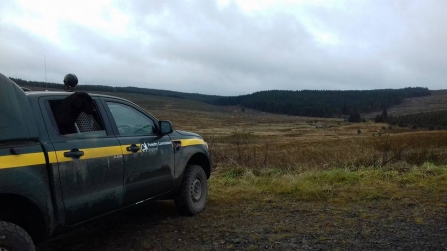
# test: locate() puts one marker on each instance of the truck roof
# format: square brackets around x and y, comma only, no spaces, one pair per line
[33,94]
[16,119]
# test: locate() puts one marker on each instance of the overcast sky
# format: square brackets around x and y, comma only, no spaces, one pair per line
[227,47]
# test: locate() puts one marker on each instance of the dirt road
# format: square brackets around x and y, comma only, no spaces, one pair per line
[267,224]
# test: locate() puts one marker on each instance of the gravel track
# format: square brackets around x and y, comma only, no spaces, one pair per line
[281,224]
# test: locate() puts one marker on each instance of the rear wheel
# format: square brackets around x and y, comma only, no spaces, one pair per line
[14,238]
[193,192]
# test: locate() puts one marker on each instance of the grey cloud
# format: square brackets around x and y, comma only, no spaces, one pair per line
[195,46]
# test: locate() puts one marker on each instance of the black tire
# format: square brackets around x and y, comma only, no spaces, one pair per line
[193,193]
[14,238]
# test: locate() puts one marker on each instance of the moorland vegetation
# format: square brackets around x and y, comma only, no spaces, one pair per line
[289,182]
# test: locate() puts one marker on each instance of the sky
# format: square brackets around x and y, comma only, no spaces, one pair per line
[227,47]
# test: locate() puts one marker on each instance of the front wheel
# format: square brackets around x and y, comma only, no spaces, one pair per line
[193,193]
[14,238]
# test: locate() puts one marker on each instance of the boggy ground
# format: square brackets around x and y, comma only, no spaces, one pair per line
[268,224]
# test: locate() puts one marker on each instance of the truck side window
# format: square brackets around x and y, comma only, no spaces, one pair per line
[130,121]
[85,125]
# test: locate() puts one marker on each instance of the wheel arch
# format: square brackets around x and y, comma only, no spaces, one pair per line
[201,160]
[23,212]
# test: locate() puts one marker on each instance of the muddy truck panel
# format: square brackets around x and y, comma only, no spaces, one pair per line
[192,151]
[89,165]
[25,192]
[115,156]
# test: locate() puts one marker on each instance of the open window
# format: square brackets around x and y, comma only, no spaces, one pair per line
[84,125]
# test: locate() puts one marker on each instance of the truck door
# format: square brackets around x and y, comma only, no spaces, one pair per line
[90,167]
[148,158]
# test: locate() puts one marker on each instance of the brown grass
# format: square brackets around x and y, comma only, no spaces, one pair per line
[259,153]
[320,149]
[257,140]
[291,183]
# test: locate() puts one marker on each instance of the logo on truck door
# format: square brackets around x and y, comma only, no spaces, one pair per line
[153,147]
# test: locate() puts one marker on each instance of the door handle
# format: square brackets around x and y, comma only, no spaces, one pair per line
[133,148]
[74,153]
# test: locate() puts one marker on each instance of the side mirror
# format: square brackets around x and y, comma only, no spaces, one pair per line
[165,127]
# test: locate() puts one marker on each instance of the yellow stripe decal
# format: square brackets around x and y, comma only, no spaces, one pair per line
[28,159]
[190,142]
[52,157]
[92,153]
[124,149]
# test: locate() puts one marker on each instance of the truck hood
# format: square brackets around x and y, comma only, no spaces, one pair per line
[190,134]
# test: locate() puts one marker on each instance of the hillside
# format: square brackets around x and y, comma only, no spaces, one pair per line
[323,103]
[437,101]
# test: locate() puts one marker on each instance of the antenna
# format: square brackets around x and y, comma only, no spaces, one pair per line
[45,63]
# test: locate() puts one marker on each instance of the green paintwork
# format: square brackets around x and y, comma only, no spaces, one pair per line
[68,191]
[16,118]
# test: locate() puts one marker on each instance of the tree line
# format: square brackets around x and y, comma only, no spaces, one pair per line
[323,103]
[128,89]
[309,103]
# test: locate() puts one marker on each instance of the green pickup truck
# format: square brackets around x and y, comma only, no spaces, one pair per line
[114,155]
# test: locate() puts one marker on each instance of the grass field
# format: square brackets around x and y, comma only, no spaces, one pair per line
[291,183]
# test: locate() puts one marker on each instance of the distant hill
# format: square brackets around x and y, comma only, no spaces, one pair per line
[437,101]
[104,88]
[300,103]
[428,112]
[323,103]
